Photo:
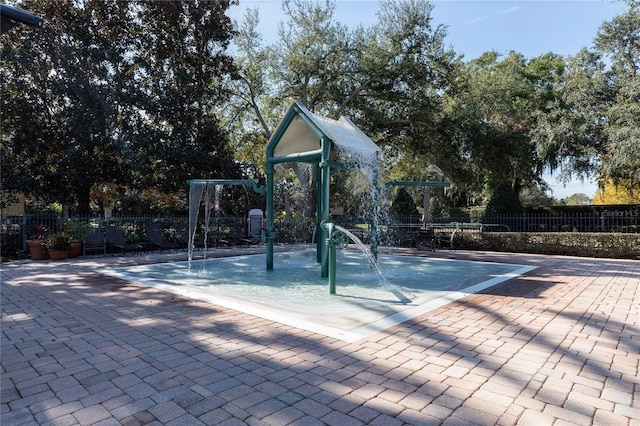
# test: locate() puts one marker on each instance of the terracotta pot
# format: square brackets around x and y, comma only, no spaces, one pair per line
[58,254]
[75,250]
[37,249]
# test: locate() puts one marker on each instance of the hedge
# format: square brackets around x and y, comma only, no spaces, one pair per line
[604,245]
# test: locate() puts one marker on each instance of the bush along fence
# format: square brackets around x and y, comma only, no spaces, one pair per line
[585,244]
[551,233]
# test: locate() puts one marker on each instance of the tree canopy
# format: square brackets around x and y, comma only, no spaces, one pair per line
[494,120]
[123,93]
[494,108]
[592,127]
[141,95]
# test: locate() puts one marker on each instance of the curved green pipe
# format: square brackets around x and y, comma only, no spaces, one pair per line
[248,182]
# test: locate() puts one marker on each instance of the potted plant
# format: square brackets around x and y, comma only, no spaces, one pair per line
[76,230]
[58,245]
[36,244]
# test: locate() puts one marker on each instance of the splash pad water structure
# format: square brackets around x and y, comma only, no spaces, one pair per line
[324,143]
[375,292]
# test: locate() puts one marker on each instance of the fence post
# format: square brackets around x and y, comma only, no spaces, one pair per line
[602,222]
[524,222]
[24,231]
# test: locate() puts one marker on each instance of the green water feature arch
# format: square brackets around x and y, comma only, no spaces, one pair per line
[303,136]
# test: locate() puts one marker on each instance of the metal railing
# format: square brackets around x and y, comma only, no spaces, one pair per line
[16,230]
[222,230]
[625,222]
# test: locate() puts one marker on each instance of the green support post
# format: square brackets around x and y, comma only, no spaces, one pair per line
[270,232]
[331,247]
[325,185]
[319,240]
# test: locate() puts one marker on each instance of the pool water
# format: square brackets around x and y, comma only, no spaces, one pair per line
[293,293]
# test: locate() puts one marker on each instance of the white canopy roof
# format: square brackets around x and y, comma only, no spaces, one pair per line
[300,137]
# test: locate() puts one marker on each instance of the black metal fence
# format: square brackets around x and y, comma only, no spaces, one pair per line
[16,230]
[578,222]
[221,230]
[608,221]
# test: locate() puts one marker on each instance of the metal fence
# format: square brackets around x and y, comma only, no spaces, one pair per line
[221,231]
[568,222]
[625,222]
[16,230]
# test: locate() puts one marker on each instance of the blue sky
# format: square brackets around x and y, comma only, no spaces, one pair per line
[530,27]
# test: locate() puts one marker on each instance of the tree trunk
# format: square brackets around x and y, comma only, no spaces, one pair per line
[84,200]
[426,206]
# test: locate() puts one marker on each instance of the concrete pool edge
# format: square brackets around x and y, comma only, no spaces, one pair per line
[431,305]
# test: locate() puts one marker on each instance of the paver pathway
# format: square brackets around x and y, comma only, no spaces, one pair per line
[559,345]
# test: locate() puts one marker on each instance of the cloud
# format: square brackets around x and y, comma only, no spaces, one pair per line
[474,21]
[510,10]
[485,17]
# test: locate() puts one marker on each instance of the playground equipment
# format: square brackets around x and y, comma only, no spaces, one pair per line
[324,143]
[305,137]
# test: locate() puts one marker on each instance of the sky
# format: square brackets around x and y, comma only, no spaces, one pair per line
[533,28]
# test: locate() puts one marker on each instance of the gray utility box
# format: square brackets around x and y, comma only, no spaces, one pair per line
[256,218]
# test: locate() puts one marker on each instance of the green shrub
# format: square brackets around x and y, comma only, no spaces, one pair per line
[293,229]
[403,204]
[77,229]
[59,241]
[607,245]
[504,200]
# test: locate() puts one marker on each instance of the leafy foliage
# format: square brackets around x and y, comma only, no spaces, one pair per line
[400,84]
[403,204]
[604,245]
[143,95]
[120,93]
[59,241]
[386,78]
[504,200]
[496,104]
[625,193]
[59,107]
[577,200]
[592,127]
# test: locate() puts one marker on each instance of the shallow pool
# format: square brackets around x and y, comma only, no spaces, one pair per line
[293,293]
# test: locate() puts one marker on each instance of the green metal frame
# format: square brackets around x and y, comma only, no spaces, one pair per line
[327,241]
[248,182]
[321,159]
[323,164]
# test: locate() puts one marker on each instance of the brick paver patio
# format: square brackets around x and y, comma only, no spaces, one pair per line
[559,345]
